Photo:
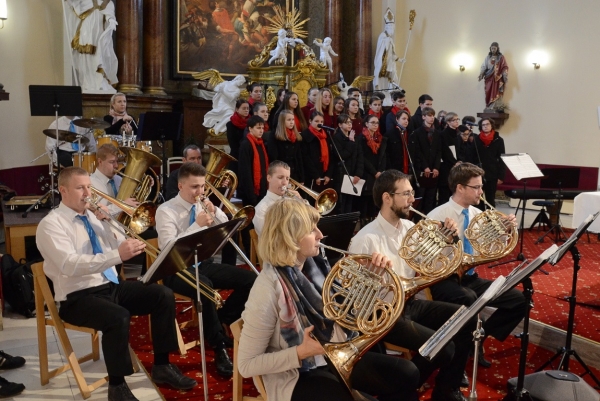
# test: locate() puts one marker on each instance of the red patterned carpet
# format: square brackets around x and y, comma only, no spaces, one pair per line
[550,307]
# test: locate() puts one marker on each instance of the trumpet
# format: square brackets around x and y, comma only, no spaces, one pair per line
[240,214]
[324,202]
[151,250]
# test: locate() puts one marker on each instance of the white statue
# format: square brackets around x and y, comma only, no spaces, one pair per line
[386,76]
[90,26]
[226,94]
[279,54]
[326,52]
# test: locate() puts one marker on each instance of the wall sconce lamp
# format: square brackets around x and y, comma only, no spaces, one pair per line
[536,66]
[3,12]
[461,67]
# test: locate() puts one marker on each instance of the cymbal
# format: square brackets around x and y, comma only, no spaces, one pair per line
[93,123]
[66,136]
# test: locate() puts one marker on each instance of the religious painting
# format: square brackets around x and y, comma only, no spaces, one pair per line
[223,35]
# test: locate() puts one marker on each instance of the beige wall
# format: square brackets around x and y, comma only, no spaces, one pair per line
[553,114]
[31,53]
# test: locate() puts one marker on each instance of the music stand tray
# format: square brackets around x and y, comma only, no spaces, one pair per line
[178,254]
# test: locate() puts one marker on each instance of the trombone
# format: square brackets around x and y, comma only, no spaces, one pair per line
[151,250]
[246,212]
[324,201]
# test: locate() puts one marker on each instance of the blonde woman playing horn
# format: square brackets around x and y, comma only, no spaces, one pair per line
[285,309]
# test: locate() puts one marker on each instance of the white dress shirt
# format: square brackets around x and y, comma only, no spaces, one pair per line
[64,124]
[100,182]
[382,237]
[453,210]
[260,210]
[69,260]
[173,220]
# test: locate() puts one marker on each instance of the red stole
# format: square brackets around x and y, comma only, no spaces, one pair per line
[256,171]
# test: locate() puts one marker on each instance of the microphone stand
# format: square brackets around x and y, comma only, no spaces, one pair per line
[403,136]
[342,160]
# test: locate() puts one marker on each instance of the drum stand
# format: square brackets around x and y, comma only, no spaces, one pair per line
[200,324]
[478,335]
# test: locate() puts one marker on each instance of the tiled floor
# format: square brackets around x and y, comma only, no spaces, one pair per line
[19,337]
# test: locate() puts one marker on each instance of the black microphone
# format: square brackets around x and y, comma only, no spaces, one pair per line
[325,127]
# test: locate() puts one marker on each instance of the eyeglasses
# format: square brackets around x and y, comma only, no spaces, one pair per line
[374,122]
[475,187]
[455,119]
[486,124]
[406,194]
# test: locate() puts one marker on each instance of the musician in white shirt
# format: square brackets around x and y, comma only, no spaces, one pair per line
[80,252]
[183,215]
[278,178]
[65,149]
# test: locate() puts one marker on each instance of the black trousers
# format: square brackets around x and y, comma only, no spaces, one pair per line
[108,308]
[387,377]
[219,276]
[419,321]
[511,306]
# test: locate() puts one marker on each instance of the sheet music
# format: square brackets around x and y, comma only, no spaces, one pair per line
[347,186]
[445,333]
[522,166]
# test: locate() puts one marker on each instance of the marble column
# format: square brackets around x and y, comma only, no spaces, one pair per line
[362,46]
[127,13]
[333,23]
[154,38]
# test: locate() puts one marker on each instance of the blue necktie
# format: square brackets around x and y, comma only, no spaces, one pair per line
[97,248]
[113,186]
[193,215]
[467,248]
[72,129]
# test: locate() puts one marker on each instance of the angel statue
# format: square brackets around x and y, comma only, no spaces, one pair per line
[341,88]
[279,54]
[226,94]
[326,52]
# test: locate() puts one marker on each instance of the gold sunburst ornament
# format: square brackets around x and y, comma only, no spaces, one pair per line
[290,21]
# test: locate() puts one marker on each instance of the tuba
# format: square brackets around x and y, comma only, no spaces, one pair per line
[362,298]
[430,250]
[136,183]
[217,174]
[491,235]
[324,202]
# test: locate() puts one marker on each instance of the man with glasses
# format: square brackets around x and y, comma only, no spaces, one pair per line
[466,184]
[394,195]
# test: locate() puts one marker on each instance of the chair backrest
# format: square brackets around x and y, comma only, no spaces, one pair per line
[236,330]
[173,163]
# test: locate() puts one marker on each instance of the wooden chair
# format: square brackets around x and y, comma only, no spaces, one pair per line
[236,329]
[43,296]
[183,346]
[254,258]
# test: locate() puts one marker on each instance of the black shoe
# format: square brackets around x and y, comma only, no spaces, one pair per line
[8,389]
[481,361]
[120,392]
[171,375]
[465,380]
[10,362]
[447,394]
[223,362]
[227,342]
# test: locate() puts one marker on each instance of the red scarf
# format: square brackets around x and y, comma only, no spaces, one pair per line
[251,101]
[487,138]
[404,150]
[373,140]
[266,126]
[322,136]
[256,162]
[297,122]
[291,135]
[372,113]
[238,120]
[395,109]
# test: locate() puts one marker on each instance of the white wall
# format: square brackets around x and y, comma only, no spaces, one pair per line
[553,114]
[31,53]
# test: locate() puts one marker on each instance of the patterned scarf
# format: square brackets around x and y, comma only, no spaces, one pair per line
[373,140]
[301,304]
[291,135]
[239,121]
[322,137]
[256,170]
[117,116]
[487,138]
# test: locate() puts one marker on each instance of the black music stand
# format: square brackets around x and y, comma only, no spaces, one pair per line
[54,100]
[158,126]
[566,352]
[522,167]
[337,230]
